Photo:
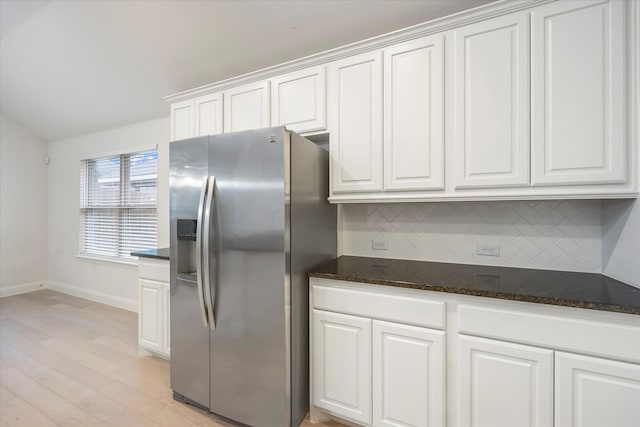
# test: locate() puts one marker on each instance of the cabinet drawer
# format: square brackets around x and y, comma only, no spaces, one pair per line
[558,332]
[398,305]
[153,269]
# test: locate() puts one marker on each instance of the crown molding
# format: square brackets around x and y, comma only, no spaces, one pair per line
[439,25]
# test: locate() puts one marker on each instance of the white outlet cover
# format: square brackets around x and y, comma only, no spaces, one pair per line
[379,244]
[486,249]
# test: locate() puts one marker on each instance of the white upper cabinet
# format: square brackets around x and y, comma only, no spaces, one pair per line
[591,391]
[517,100]
[181,120]
[247,107]
[208,114]
[413,115]
[196,117]
[491,103]
[578,93]
[355,123]
[298,100]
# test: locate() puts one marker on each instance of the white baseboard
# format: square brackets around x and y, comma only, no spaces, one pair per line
[23,288]
[77,291]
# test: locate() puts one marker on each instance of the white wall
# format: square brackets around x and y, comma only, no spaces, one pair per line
[553,235]
[23,208]
[621,240]
[110,282]
[621,218]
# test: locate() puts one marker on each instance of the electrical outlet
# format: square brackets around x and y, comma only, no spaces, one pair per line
[380,244]
[486,249]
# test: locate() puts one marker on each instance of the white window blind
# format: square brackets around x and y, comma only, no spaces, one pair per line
[118,204]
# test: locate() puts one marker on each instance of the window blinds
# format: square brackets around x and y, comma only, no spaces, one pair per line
[118,204]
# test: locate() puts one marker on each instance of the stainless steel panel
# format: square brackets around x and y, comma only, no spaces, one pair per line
[313,241]
[189,338]
[249,349]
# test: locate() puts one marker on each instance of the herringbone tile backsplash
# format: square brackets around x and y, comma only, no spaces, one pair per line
[551,235]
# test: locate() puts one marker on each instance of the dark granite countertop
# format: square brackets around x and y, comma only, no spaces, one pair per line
[584,290]
[161,253]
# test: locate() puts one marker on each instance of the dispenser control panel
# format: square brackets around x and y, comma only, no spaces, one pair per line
[187,229]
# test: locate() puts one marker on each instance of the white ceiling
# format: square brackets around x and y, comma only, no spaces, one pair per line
[69,68]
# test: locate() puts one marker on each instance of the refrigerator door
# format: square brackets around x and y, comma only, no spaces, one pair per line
[189,334]
[250,347]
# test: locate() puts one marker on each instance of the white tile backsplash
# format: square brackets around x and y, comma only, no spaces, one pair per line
[553,235]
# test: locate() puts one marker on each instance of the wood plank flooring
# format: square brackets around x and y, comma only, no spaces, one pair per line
[66,361]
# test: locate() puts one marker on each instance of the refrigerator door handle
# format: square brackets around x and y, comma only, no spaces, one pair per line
[206,252]
[199,242]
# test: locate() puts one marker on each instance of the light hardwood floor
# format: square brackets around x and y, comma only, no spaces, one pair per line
[66,361]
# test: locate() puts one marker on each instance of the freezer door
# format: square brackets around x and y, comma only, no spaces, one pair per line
[250,366]
[189,335]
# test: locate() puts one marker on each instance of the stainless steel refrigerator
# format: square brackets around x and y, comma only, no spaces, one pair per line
[249,218]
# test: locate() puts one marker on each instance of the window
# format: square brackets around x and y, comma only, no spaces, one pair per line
[118,204]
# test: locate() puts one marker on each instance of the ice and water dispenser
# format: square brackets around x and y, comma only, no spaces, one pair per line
[186,229]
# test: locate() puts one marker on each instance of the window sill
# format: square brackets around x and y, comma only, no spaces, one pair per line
[106,260]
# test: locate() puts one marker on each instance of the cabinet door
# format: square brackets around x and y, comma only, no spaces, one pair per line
[491,95]
[596,392]
[505,384]
[355,108]
[408,375]
[577,90]
[247,107]
[208,114]
[151,317]
[166,320]
[342,365]
[413,115]
[298,100]
[181,120]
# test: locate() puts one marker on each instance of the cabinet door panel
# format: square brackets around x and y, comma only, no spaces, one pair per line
[408,375]
[299,101]
[355,86]
[166,320]
[505,384]
[181,120]
[592,392]
[151,315]
[342,365]
[413,120]
[208,114]
[247,107]
[578,93]
[491,112]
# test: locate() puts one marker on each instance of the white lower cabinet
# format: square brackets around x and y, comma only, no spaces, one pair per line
[153,309]
[594,392]
[359,361]
[378,372]
[408,375]
[153,318]
[166,301]
[504,384]
[151,334]
[387,356]
[342,369]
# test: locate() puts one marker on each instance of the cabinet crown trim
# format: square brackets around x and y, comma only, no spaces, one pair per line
[438,25]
